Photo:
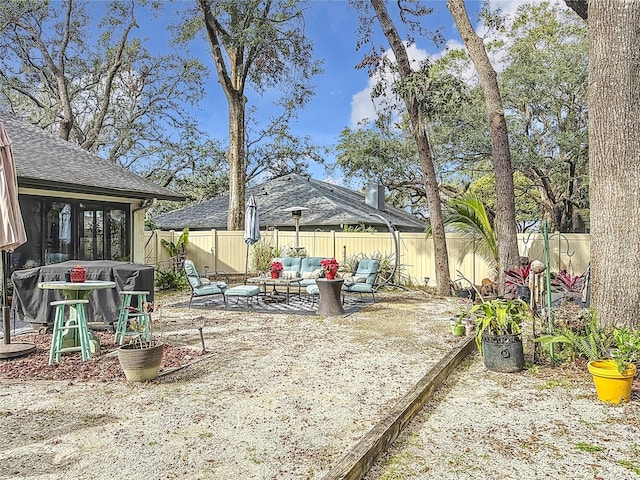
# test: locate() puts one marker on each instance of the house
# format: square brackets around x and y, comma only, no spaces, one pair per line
[329,207]
[75,204]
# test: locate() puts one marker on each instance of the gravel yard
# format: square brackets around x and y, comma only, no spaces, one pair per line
[281,396]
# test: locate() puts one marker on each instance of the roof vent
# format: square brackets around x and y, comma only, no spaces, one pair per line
[374,196]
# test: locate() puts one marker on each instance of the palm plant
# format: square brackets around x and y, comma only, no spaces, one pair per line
[468,216]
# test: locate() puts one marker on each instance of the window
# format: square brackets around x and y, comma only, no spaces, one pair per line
[66,229]
[58,233]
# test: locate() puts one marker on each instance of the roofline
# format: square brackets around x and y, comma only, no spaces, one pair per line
[75,188]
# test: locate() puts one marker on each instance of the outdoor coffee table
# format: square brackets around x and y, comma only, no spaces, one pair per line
[275,282]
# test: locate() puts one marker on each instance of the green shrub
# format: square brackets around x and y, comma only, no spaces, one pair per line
[582,337]
[170,279]
[263,253]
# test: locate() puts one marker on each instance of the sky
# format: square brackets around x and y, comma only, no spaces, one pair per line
[342,93]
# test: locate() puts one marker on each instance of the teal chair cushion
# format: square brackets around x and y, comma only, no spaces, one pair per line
[290,264]
[197,286]
[367,270]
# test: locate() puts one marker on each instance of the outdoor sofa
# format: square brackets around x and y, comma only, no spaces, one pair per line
[307,268]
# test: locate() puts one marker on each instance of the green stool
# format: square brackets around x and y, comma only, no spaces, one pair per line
[127,312]
[78,323]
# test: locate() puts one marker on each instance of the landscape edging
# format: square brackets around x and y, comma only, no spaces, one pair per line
[355,464]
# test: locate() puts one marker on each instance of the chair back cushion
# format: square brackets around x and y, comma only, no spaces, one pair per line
[367,268]
[309,264]
[192,274]
[290,264]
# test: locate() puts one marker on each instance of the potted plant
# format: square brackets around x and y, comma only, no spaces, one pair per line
[613,377]
[610,353]
[568,284]
[517,282]
[330,267]
[142,356]
[458,329]
[275,268]
[498,327]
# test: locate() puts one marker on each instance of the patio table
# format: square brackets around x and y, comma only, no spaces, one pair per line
[31,304]
[75,291]
[274,282]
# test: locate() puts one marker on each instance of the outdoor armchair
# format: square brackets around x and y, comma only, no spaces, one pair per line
[363,280]
[201,287]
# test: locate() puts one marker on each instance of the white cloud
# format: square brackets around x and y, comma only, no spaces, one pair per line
[363,107]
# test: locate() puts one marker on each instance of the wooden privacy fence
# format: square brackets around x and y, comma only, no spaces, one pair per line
[226,251]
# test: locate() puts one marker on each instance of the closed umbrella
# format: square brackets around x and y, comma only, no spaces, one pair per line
[251,229]
[12,233]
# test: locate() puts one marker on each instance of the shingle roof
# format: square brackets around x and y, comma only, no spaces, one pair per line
[330,206]
[46,161]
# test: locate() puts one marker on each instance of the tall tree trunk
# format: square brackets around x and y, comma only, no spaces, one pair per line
[505,227]
[233,83]
[418,125]
[614,159]
[237,170]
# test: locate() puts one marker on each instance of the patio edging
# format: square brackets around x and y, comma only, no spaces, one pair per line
[355,463]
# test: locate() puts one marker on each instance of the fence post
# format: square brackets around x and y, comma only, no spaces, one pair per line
[214,248]
[157,246]
[333,242]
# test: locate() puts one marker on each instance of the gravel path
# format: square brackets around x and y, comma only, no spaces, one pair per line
[286,396]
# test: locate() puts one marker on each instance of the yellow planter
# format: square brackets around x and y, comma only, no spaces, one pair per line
[611,385]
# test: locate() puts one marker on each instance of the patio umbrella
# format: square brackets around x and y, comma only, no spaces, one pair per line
[251,229]
[12,232]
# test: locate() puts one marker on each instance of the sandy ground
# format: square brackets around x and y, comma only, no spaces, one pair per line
[285,397]
[541,423]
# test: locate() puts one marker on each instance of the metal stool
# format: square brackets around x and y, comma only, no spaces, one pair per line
[127,312]
[78,323]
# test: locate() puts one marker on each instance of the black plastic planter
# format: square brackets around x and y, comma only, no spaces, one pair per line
[503,353]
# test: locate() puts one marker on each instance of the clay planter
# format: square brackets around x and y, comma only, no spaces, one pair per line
[140,364]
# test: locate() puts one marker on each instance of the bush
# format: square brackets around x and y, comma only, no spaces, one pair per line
[263,253]
[170,279]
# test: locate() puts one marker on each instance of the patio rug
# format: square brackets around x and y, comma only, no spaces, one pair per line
[297,305]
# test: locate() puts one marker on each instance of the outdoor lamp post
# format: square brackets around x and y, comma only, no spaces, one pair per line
[296,214]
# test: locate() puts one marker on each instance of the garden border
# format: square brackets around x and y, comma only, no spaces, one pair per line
[355,464]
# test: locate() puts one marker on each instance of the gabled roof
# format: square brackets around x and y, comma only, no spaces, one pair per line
[46,161]
[330,206]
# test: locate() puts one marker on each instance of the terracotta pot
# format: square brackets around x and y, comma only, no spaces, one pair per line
[275,274]
[140,364]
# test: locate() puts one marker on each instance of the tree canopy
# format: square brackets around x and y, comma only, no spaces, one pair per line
[95,84]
